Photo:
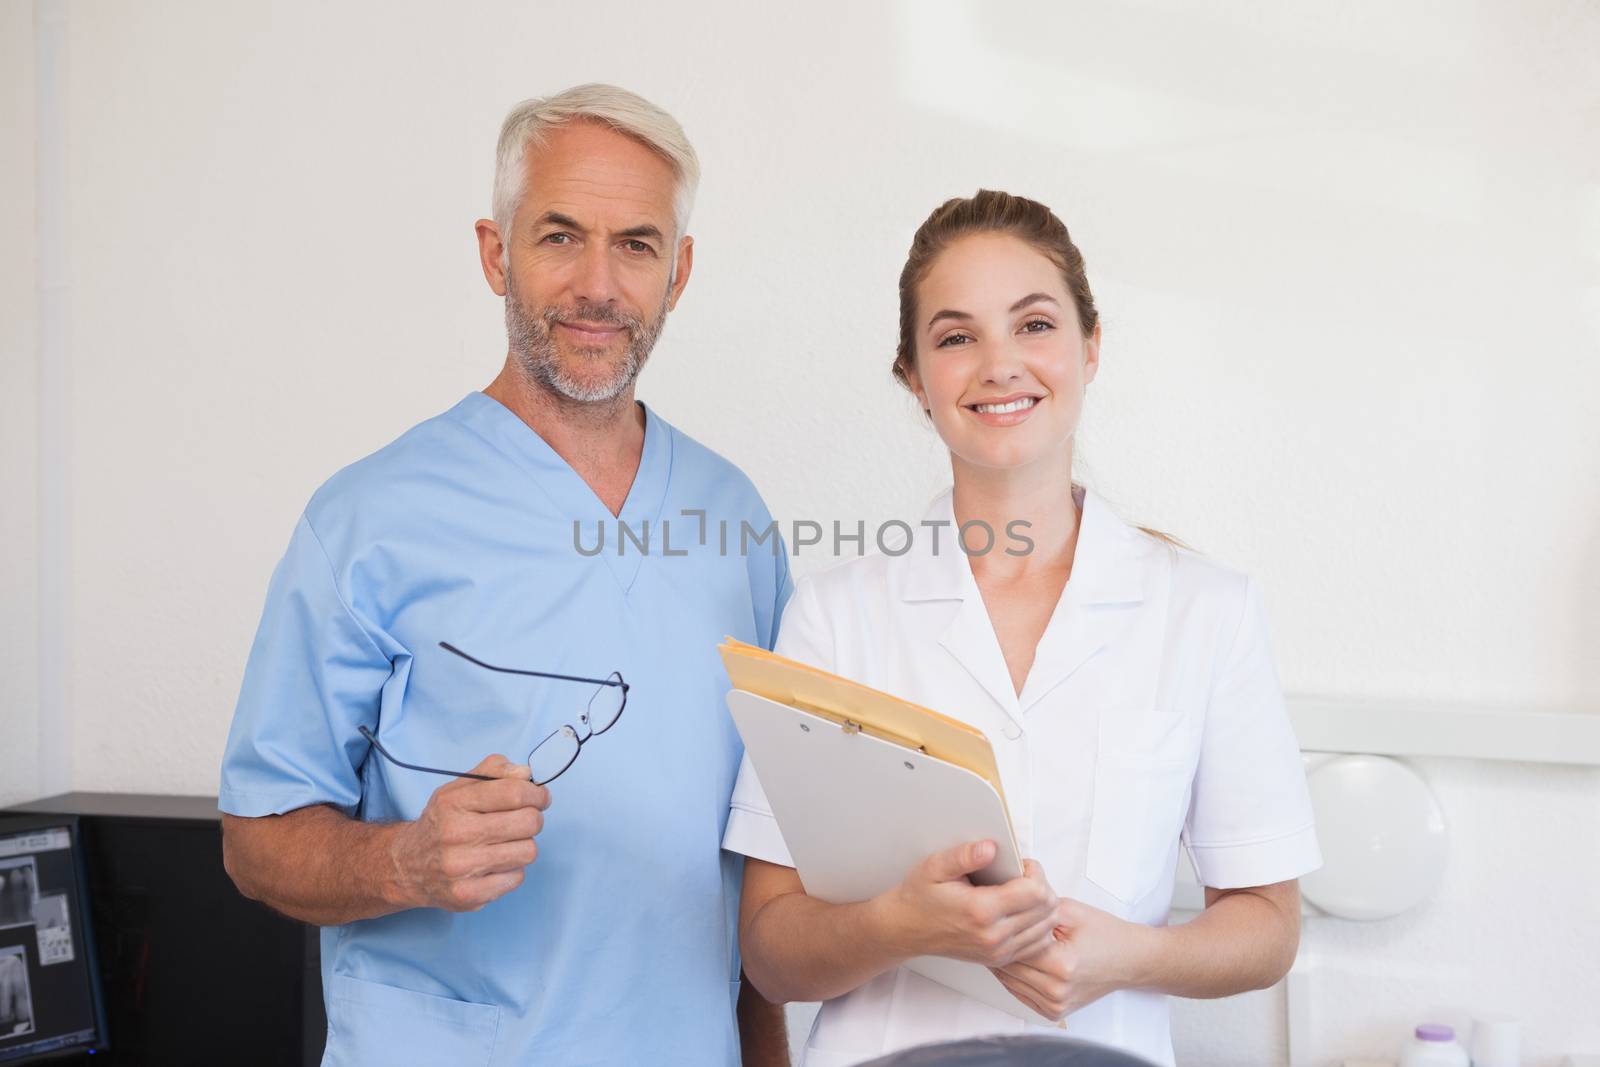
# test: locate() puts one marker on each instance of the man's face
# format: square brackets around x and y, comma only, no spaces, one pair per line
[589,262]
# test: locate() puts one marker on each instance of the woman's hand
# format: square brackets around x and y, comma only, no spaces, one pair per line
[935,911]
[1088,958]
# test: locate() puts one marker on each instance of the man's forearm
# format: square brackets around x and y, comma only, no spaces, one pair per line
[763,1037]
[1242,941]
[314,864]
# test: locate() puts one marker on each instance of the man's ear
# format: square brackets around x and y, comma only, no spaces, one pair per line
[682,265]
[492,255]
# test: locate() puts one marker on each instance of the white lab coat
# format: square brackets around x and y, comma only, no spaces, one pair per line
[1152,713]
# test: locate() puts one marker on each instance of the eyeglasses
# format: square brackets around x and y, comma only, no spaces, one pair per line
[555,753]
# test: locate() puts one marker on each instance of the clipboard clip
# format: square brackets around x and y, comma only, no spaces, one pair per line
[850,726]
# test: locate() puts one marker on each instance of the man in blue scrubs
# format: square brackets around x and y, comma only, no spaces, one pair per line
[493,920]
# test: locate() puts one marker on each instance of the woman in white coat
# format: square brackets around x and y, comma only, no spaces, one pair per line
[1126,684]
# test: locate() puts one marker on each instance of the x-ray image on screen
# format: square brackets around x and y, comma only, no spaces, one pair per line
[16,1001]
[19,890]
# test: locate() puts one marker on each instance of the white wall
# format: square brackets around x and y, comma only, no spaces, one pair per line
[19,412]
[1349,263]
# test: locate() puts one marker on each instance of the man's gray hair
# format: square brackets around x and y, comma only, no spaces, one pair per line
[627,113]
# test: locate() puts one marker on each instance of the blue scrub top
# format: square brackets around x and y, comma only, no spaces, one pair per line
[620,946]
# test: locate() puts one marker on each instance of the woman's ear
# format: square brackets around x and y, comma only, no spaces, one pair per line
[1091,355]
[914,383]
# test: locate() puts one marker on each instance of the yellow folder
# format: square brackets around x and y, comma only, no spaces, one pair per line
[858,707]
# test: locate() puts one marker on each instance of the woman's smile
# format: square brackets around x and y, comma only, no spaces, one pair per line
[1004,410]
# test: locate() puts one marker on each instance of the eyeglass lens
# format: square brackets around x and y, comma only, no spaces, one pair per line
[555,753]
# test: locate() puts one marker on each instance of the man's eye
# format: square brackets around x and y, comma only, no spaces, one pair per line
[1028,327]
[952,340]
[637,246]
[558,239]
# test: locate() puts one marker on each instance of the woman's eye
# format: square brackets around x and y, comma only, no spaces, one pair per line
[1028,327]
[953,339]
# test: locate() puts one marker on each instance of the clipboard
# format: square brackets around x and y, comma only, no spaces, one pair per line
[857,811]
[854,706]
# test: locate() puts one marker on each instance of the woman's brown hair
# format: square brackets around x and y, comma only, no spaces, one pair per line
[989,211]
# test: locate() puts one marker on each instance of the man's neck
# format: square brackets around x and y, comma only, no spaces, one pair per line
[601,441]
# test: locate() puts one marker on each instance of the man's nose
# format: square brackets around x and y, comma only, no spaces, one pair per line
[595,280]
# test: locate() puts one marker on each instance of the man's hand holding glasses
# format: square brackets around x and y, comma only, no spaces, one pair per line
[474,840]
[475,837]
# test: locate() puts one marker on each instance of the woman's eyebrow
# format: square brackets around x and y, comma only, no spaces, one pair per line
[1034,298]
[962,316]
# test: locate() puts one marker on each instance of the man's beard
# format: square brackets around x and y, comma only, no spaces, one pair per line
[532,341]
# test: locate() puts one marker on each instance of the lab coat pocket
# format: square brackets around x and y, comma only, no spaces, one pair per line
[370,1023]
[1142,775]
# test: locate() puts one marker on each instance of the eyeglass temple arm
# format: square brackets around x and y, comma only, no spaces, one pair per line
[416,767]
[448,647]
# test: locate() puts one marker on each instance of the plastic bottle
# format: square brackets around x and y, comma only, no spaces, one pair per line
[1434,1046]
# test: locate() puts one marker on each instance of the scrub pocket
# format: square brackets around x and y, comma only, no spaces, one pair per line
[1143,770]
[371,1023]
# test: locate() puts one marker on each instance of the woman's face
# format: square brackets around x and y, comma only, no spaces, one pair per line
[1001,363]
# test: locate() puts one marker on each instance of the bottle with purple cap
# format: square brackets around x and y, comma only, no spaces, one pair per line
[1434,1045]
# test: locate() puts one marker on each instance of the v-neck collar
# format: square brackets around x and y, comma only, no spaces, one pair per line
[1107,569]
[568,493]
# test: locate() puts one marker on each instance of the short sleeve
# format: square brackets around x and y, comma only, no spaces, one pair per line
[314,677]
[1250,821]
[752,831]
[806,633]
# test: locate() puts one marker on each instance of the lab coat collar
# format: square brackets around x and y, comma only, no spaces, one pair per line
[1106,568]
[1110,572]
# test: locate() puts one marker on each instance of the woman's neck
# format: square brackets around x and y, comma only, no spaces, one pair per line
[1039,494]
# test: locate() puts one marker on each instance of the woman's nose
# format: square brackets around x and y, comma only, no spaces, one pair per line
[1002,363]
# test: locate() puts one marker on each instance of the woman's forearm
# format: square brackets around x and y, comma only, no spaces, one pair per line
[796,947]
[799,948]
[1245,939]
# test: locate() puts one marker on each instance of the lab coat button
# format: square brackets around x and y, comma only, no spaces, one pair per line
[1012,731]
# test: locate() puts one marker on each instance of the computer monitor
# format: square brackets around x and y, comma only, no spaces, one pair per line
[50,999]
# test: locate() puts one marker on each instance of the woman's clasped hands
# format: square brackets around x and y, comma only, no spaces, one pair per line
[1052,953]
[936,911]
[1089,955]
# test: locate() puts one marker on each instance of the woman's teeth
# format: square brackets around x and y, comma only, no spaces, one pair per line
[1001,409]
